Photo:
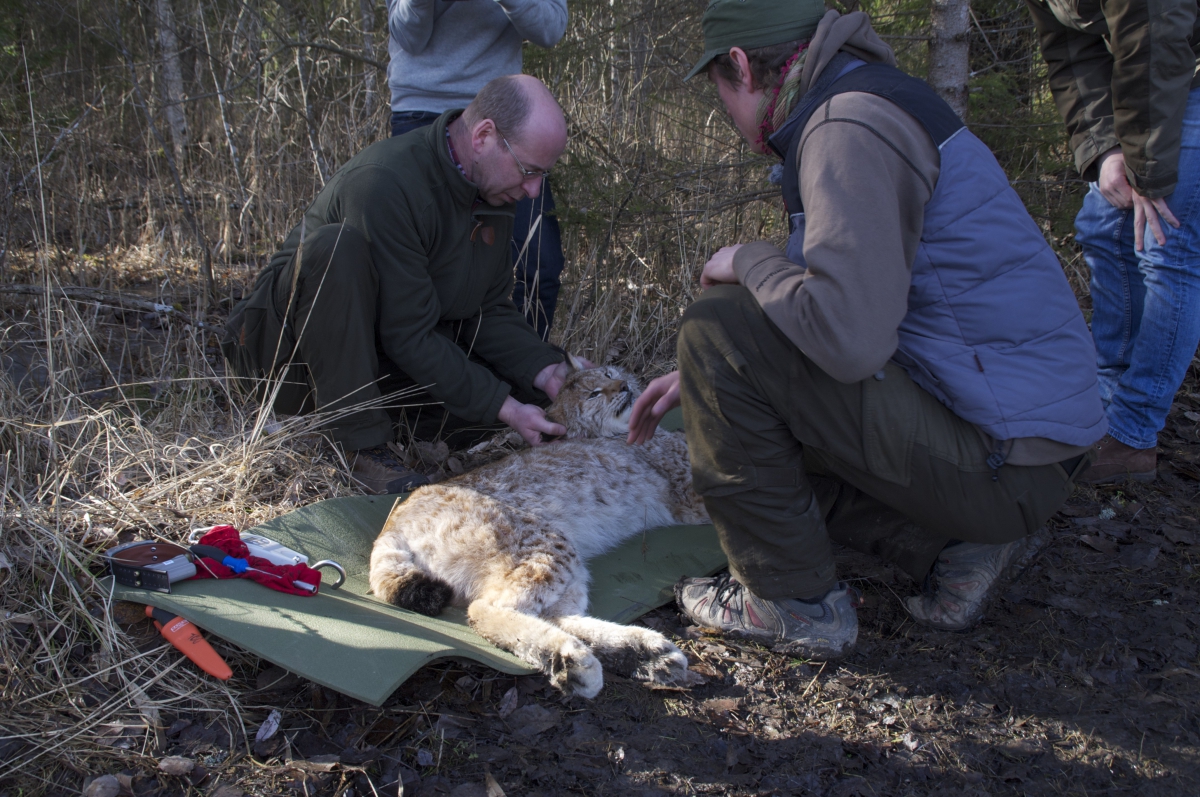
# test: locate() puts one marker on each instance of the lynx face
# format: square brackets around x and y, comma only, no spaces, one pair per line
[595,402]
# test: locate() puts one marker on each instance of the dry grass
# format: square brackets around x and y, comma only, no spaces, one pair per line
[117,425]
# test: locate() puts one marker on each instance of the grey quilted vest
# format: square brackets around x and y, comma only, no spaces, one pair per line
[993,329]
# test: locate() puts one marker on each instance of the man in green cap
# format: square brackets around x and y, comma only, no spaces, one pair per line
[912,377]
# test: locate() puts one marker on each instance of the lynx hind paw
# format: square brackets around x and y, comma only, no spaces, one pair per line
[415,591]
[574,670]
[667,667]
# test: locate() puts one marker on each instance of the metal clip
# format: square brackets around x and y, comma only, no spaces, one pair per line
[341,579]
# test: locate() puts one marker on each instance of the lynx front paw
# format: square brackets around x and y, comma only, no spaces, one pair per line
[667,666]
[575,671]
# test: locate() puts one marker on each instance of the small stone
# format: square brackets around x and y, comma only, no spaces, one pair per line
[1080,606]
[491,786]
[178,726]
[720,705]
[528,721]
[269,727]
[103,786]
[1138,555]
[176,765]
[1022,748]
[508,703]
[1179,536]
[1100,544]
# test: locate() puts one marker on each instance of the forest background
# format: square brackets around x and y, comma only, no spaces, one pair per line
[155,152]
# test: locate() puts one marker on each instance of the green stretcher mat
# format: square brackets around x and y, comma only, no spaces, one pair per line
[349,641]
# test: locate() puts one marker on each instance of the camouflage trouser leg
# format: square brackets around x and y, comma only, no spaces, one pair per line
[308,339]
[787,458]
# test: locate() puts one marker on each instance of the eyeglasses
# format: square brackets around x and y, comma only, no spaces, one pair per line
[526,173]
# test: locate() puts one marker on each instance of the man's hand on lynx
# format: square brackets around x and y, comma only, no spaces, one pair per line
[719,268]
[660,397]
[529,421]
[550,379]
[1114,187]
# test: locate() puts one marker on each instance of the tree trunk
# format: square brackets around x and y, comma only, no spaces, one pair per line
[172,76]
[314,136]
[368,27]
[949,66]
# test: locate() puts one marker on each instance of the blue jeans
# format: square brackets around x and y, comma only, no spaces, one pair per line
[1146,305]
[539,265]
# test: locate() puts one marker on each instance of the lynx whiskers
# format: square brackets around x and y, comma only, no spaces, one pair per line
[510,540]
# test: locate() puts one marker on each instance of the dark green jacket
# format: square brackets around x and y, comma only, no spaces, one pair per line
[442,255]
[1138,105]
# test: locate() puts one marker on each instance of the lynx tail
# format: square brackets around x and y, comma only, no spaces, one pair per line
[395,579]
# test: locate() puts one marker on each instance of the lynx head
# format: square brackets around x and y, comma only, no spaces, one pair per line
[595,402]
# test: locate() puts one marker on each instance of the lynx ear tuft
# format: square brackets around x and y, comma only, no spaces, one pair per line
[575,363]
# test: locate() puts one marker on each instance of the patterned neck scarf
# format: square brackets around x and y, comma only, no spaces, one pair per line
[778,104]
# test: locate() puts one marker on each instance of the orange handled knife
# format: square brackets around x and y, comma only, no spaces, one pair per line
[185,636]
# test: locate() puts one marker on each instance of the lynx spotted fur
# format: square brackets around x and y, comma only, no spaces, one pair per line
[510,539]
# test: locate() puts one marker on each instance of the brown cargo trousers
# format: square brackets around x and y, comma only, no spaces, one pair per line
[312,342]
[788,459]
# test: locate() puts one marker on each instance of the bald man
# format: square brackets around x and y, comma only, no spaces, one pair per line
[400,308]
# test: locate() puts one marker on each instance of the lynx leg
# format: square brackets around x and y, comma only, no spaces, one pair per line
[396,579]
[567,662]
[632,651]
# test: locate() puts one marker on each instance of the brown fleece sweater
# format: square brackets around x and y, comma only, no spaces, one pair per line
[867,169]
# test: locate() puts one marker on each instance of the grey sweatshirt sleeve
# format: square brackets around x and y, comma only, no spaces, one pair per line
[866,171]
[411,23]
[542,22]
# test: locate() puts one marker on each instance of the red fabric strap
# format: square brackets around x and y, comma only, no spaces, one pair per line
[264,571]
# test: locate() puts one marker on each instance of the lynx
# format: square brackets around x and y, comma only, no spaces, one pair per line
[510,540]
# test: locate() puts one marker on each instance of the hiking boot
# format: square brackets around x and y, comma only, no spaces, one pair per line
[824,630]
[379,472]
[964,579]
[1117,462]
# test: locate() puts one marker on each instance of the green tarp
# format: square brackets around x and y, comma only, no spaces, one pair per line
[349,641]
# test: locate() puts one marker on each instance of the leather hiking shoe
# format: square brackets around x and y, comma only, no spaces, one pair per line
[824,630]
[379,472]
[966,577]
[1117,462]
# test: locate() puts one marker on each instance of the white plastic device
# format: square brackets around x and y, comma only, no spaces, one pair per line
[264,547]
[275,552]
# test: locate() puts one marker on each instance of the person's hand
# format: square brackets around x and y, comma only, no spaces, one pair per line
[1152,212]
[719,268]
[1114,187]
[660,397]
[1113,184]
[550,379]
[529,421]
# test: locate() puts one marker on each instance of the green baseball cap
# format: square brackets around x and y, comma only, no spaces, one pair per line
[755,23]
